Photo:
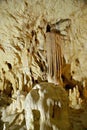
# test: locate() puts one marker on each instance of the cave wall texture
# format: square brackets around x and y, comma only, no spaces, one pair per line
[23,40]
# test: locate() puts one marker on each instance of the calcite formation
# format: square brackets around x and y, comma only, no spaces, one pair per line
[42,108]
[23,39]
[45,108]
[74,98]
[54,57]
[13,112]
[27,58]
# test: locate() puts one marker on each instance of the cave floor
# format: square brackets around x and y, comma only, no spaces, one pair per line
[77,118]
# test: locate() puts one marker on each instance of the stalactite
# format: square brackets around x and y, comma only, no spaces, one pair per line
[54,57]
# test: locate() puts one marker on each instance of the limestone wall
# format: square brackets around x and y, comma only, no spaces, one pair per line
[23,39]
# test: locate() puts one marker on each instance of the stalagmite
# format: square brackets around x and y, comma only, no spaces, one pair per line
[46,109]
[74,98]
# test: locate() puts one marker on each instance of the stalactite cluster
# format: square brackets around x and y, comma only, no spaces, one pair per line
[54,57]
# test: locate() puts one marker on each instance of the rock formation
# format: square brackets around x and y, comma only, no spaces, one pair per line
[45,108]
[23,39]
[42,41]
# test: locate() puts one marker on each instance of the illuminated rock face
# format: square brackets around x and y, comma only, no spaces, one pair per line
[46,108]
[23,39]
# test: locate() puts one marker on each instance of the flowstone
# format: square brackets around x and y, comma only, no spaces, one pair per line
[46,108]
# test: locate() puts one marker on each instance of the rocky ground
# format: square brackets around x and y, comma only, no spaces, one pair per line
[77,118]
